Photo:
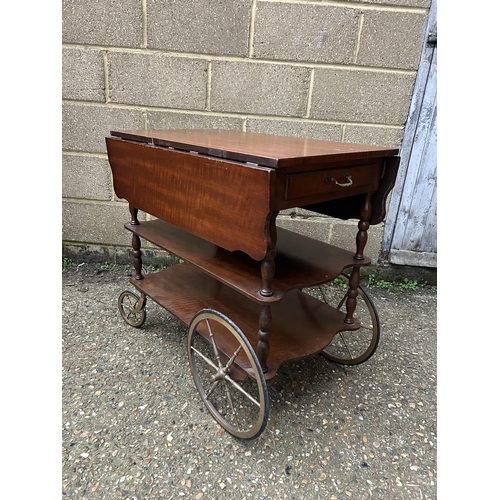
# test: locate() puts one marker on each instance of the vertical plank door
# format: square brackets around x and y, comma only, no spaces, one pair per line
[410,236]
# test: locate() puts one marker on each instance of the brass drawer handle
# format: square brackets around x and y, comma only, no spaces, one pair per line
[347,177]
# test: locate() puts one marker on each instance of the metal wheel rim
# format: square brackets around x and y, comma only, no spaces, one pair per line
[342,336]
[127,305]
[196,363]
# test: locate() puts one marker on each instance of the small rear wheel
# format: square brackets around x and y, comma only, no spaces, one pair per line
[357,346]
[132,308]
[217,351]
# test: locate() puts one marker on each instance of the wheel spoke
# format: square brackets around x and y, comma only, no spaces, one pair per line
[233,357]
[226,377]
[325,300]
[230,400]
[134,307]
[341,303]
[216,351]
[346,346]
[214,385]
[202,356]
[238,386]
[323,294]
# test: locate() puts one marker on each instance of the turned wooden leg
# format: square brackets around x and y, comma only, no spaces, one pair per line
[364,224]
[267,269]
[267,266]
[136,245]
[361,238]
[265,321]
[351,301]
[133,212]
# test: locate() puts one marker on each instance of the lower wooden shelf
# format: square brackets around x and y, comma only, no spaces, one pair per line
[301,324]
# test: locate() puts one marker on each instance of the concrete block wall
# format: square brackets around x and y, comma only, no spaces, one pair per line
[332,70]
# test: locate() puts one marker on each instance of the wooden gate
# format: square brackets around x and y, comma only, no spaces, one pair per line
[410,230]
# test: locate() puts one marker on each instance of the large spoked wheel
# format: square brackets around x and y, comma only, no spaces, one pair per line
[352,347]
[216,346]
[132,308]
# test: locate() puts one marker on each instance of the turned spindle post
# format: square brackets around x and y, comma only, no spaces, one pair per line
[364,224]
[133,212]
[352,294]
[136,245]
[361,238]
[265,321]
[267,266]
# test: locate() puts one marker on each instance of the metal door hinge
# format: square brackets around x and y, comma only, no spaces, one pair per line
[432,38]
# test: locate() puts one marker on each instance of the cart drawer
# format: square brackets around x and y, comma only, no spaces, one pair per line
[345,181]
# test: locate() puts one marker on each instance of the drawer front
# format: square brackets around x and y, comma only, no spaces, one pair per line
[339,182]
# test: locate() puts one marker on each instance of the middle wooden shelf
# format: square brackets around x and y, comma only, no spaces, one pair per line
[300,261]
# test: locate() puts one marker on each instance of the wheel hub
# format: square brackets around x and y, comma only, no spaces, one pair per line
[220,375]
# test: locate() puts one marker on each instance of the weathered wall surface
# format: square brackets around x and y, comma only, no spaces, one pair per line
[334,70]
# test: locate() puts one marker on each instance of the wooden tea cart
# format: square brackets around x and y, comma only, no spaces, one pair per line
[243,286]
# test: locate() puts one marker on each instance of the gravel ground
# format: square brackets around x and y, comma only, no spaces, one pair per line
[134,426]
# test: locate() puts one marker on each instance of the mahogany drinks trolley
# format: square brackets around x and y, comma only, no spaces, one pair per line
[242,284]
